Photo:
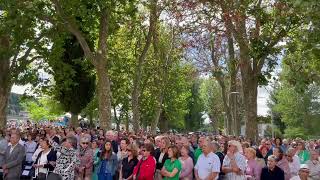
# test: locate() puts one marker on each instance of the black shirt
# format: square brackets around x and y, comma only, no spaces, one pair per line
[127,167]
[276,174]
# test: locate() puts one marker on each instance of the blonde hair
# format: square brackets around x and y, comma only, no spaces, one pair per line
[251,150]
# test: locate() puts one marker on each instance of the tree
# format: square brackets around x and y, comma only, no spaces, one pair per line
[257,27]
[74,82]
[42,109]
[18,41]
[101,18]
[194,118]
[299,110]
[210,93]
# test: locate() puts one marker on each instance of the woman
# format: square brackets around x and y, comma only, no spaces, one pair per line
[128,163]
[162,156]
[263,152]
[84,170]
[234,163]
[314,164]
[172,166]
[108,162]
[278,144]
[45,161]
[282,162]
[96,154]
[146,167]
[67,160]
[30,147]
[253,171]
[303,154]
[187,164]
[272,171]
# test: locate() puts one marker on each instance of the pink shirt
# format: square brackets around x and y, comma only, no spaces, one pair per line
[253,170]
[187,167]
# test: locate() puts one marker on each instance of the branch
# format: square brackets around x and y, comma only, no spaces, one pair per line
[17,69]
[103,33]
[72,27]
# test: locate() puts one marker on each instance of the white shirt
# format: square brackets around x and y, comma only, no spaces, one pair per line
[42,161]
[294,166]
[207,165]
[12,148]
[297,178]
[314,167]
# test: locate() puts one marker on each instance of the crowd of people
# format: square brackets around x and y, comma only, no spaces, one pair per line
[94,154]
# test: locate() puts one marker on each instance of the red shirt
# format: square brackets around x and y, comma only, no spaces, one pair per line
[147,169]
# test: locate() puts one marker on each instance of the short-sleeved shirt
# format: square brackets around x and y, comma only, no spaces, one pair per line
[170,165]
[207,165]
[197,153]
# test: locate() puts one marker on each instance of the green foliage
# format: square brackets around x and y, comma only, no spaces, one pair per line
[194,119]
[210,93]
[42,109]
[299,110]
[74,82]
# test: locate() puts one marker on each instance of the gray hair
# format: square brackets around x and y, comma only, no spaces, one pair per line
[73,141]
[272,157]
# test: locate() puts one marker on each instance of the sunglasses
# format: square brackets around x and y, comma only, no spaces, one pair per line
[129,150]
[85,143]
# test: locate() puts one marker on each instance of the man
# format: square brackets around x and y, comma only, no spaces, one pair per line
[303,173]
[13,159]
[3,148]
[111,135]
[294,162]
[198,151]
[208,164]
[314,165]
[272,172]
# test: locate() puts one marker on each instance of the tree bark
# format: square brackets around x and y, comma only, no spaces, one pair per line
[74,120]
[5,77]
[154,123]
[138,71]
[104,91]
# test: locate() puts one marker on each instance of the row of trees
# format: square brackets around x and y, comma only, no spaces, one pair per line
[144,57]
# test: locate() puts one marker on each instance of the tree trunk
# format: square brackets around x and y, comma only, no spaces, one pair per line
[250,107]
[155,122]
[138,72]
[118,121]
[74,120]
[104,96]
[91,121]
[127,122]
[5,84]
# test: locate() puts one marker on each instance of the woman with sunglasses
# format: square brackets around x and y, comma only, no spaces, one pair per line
[129,163]
[84,170]
[146,167]
[108,162]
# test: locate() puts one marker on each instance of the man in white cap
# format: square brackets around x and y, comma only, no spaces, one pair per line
[303,173]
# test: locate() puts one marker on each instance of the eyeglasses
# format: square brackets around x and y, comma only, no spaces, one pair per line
[129,150]
[85,143]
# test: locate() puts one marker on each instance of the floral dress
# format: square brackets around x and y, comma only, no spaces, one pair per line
[66,162]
